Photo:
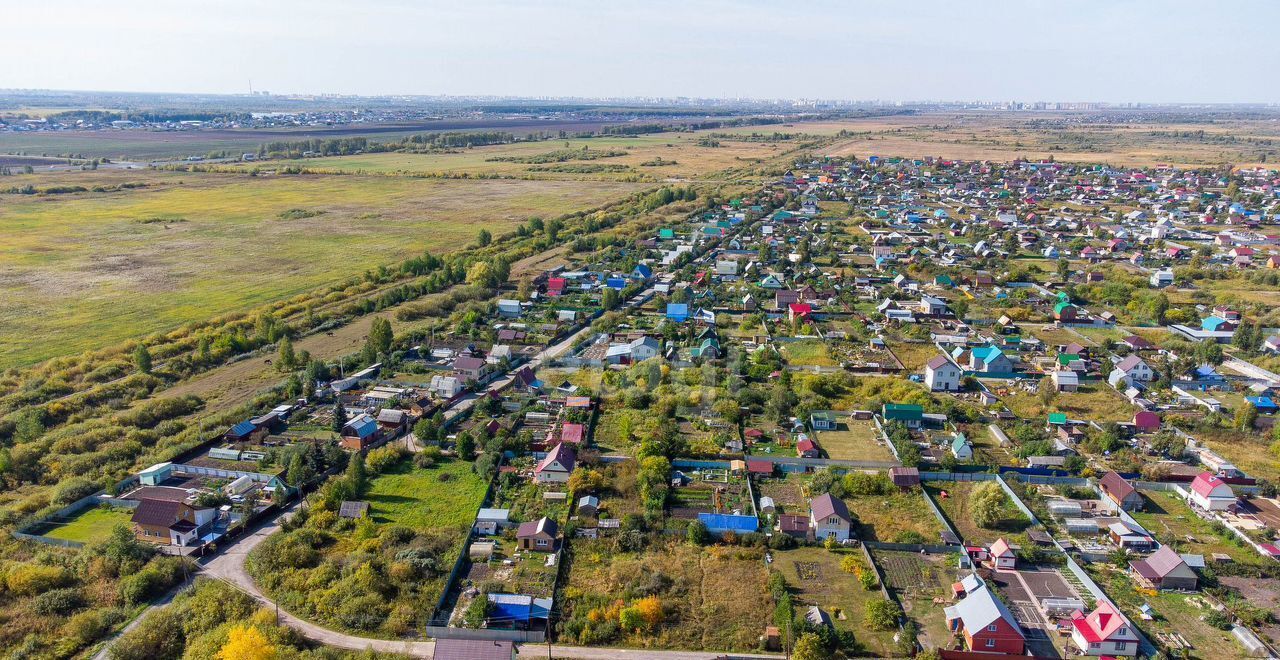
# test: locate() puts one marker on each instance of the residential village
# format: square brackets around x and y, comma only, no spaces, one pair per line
[879,407]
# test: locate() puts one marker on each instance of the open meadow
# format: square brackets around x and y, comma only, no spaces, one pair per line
[1064,136]
[84,270]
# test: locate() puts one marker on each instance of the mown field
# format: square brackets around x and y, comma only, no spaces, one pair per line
[84,270]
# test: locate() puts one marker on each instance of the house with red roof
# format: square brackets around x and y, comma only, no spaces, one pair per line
[1003,556]
[807,448]
[1104,631]
[555,286]
[760,467]
[1146,421]
[986,623]
[572,434]
[799,311]
[557,466]
[1209,492]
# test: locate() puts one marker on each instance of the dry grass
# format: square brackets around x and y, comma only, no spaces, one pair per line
[85,270]
[836,592]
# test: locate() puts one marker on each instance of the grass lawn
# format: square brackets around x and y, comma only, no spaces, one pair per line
[807,353]
[815,578]
[887,517]
[446,495]
[855,440]
[92,525]
[1095,401]
[714,598]
[914,355]
[956,508]
[1169,518]
[916,580]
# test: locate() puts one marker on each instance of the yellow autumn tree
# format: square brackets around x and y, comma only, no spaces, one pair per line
[246,643]
[650,608]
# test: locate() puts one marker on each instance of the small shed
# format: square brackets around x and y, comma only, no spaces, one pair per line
[904,477]
[353,510]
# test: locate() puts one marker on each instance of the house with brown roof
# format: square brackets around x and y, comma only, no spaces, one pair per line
[829,518]
[1120,491]
[1165,569]
[537,536]
[169,522]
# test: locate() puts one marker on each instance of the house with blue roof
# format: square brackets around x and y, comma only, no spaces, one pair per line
[518,611]
[641,272]
[678,312]
[961,448]
[1217,324]
[1264,404]
[360,432]
[990,359]
[719,523]
[616,282]
[245,431]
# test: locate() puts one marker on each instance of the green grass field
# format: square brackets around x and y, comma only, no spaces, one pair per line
[807,353]
[815,578]
[446,495]
[855,440]
[85,270]
[91,525]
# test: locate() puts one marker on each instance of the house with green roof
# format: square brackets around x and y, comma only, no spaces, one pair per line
[1066,312]
[666,234]
[1057,419]
[910,414]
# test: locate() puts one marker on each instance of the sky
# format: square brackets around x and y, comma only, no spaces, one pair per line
[992,50]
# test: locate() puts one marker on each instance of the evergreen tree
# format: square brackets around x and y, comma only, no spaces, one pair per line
[339,417]
[142,359]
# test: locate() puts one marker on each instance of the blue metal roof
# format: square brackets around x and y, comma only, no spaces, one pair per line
[243,428]
[725,522]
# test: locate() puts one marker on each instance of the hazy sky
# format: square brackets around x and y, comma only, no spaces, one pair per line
[1167,50]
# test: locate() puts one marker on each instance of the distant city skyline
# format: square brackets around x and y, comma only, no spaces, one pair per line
[1025,51]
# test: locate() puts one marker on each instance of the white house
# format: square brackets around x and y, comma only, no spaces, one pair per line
[508,308]
[1209,492]
[492,521]
[829,517]
[446,387]
[644,348]
[1003,556]
[1162,278]
[1104,631]
[942,375]
[557,466]
[1136,369]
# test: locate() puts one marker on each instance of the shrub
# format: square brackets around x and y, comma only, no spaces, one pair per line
[32,579]
[384,457]
[58,602]
[882,614]
[73,489]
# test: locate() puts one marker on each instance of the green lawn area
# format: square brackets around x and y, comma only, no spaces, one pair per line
[807,353]
[955,506]
[914,355]
[855,440]
[92,525]
[887,517]
[446,495]
[815,578]
[1095,401]
[1171,521]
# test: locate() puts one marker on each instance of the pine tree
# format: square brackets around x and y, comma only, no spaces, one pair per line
[339,417]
